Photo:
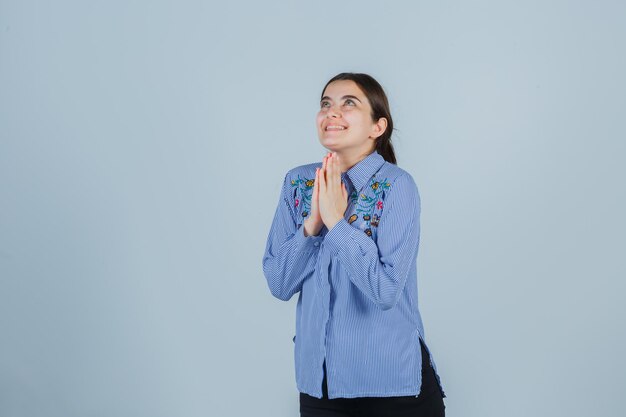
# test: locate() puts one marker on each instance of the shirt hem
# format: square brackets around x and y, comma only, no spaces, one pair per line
[412,393]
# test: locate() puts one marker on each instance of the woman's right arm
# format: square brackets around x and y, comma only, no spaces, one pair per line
[289,256]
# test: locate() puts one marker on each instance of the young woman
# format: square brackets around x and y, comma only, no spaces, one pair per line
[345,236]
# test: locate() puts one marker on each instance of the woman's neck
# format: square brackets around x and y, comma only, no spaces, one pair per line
[348,161]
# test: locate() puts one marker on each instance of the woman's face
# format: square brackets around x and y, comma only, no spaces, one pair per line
[344,105]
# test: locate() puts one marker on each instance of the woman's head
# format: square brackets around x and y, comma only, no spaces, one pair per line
[358,103]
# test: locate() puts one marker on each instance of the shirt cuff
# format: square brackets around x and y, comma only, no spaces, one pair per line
[307,243]
[339,235]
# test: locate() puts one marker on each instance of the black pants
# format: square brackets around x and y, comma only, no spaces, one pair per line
[429,403]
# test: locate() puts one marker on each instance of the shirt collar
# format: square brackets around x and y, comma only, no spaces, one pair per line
[363,170]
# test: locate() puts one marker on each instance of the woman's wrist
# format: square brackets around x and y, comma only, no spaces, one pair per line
[311,229]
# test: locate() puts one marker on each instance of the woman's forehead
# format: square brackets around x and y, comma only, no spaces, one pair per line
[341,85]
[340,88]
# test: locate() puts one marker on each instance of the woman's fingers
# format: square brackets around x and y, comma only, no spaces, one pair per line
[335,174]
[318,174]
[327,167]
[330,178]
[321,175]
[330,173]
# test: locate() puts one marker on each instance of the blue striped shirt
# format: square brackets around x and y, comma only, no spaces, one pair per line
[357,306]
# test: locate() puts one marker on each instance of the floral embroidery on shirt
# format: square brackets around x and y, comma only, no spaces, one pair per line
[365,204]
[305,186]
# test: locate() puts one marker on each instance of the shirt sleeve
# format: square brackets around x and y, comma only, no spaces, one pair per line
[380,269]
[289,256]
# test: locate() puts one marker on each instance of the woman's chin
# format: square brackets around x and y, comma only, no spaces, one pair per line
[330,139]
[331,145]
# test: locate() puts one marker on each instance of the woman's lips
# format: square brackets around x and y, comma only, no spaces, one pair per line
[335,128]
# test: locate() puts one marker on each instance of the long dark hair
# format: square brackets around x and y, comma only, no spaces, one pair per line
[380,108]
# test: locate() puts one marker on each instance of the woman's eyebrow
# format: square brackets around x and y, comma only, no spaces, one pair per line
[344,97]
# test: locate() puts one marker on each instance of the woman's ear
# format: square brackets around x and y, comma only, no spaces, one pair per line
[379,127]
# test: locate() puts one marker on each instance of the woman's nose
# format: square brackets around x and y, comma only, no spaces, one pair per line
[333,111]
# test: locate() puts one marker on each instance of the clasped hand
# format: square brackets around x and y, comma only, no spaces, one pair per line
[330,197]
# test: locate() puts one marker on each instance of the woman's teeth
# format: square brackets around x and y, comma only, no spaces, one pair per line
[335,128]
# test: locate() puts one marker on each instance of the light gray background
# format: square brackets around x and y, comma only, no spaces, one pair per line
[142,149]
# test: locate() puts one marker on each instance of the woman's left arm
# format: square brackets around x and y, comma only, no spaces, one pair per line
[380,270]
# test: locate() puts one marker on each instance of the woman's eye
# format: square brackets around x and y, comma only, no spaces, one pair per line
[349,100]
[324,103]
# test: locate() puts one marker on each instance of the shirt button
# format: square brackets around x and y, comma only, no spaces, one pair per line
[316,243]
